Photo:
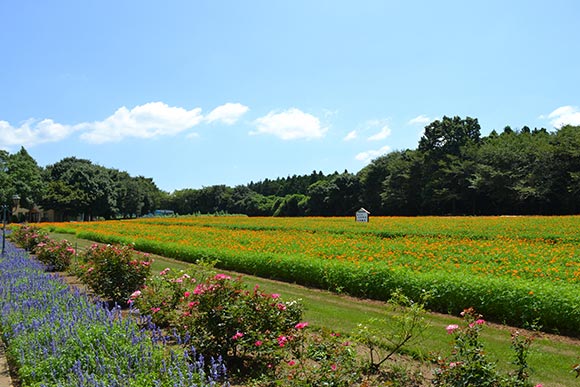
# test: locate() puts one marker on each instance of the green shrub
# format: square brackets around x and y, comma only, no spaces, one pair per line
[407,326]
[28,237]
[55,255]
[249,328]
[115,271]
[161,294]
[469,365]
[321,359]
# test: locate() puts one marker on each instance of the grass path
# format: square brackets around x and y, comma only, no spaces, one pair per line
[551,359]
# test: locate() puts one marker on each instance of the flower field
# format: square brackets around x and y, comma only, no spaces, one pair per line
[517,270]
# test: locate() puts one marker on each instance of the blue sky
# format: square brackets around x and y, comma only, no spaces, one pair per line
[196,93]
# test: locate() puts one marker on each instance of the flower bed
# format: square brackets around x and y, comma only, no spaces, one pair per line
[59,337]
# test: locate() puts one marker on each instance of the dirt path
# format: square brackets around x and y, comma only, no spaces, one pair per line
[5,378]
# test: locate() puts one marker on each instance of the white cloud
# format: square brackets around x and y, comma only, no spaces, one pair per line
[369,155]
[151,120]
[372,126]
[564,115]
[33,132]
[420,120]
[381,135]
[290,124]
[350,136]
[228,113]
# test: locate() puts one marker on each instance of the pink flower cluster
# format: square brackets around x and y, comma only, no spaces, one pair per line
[282,340]
[477,322]
[451,328]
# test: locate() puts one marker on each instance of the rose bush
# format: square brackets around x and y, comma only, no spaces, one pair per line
[161,294]
[115,271]
[218,315]
[29,236]
[469,365]
[55,255]
[324,358]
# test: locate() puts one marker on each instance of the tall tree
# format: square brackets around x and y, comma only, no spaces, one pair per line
[292,205]
[80,188]
[515,173]
[400,186]
[6,189]
[251,203]
[25,178]
[445,148]
[372,178]
[566,165]
[320,202]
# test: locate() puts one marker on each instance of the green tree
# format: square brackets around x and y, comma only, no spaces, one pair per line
[320,194]
[251,203]
[134,196]
[346,198]
[399,193]
[515,172]
[6,189]
[566,164]
[24,178]
[78,187]
[447,164]
[371,179]
[292,205]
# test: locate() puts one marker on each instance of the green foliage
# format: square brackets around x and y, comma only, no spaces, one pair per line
[115,271]
[220,316]
[78,186]
[25,178]
[162,293]
[408,326]
[521,344]
[321,359]
[468,364]
[291,205]
[28,236]
[55,255]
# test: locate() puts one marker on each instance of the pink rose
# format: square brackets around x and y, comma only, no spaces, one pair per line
[237,336]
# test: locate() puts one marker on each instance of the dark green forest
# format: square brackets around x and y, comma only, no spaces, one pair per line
[453,171]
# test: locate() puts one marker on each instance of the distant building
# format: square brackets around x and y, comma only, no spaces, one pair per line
[163,213]
[38,214]
[362,215]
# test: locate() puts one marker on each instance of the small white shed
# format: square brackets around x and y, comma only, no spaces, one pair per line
[362,215]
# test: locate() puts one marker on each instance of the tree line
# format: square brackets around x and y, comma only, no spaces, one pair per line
[76,189]
[453,171]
